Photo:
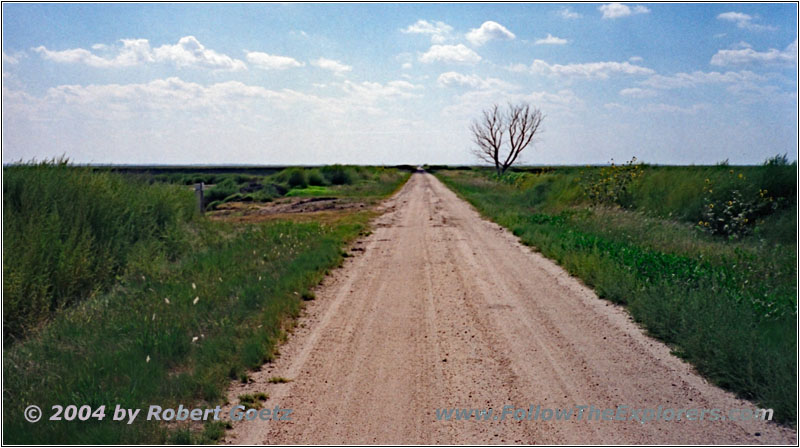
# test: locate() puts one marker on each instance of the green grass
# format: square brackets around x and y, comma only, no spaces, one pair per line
[68,232]
[728,306]
[185,314]
[310,191]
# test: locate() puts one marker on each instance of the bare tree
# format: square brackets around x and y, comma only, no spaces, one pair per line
[520,121]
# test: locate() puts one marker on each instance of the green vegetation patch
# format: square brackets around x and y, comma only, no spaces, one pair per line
[68,232]
[170,332]
[725,302]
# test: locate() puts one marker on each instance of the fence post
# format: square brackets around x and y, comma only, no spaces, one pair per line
[198,192]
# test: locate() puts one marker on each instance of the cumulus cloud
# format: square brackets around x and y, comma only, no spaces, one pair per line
[567,13]
[132,52]
[489,30]
[744,21]
[617,10]
[551,40]
[188,52]
[599,70]
[744,55]
[336,67]
[450,53]
[637,92]
[449,79]
[439,31]
[272,62]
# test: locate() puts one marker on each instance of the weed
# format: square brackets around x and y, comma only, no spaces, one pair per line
[279,380]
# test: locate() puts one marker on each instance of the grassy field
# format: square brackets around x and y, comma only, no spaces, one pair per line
[174,307]
[703,257]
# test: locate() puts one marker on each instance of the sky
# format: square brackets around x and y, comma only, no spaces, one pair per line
[275,84]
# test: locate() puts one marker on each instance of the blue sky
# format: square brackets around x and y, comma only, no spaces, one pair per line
[396,83]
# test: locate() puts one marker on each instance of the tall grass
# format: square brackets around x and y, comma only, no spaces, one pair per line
[171,332]
[174,309]
[68,232]
[727,306]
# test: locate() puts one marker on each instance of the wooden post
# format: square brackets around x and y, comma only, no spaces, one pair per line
[198,192]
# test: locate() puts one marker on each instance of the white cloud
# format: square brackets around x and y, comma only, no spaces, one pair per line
[439,31]
[615,106]
[750,92]
[370,93]
[188,52]
[471,103]
[600,70]
[670,108]
[551,40]
[450,53]
[272,62]
[567,13]
[336,67]
[176,121]
[121,102]
[448,79]
[637,92]
[680,80]
[749,87]
[636,59]
[132,52]
[744,55]
[9,59]
[489,30]
[617,10]
[744,21]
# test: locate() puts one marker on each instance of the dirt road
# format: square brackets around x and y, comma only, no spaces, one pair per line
[442,309]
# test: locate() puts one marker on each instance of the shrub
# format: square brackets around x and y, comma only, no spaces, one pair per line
[338,174]
[734,213]
[611,184]
[297,178]
[315,178]
[221,190]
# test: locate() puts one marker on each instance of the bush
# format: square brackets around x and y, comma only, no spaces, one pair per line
[338,174]
[221,190]
[734,212]
[611,185]
[297,178]
[315,178]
